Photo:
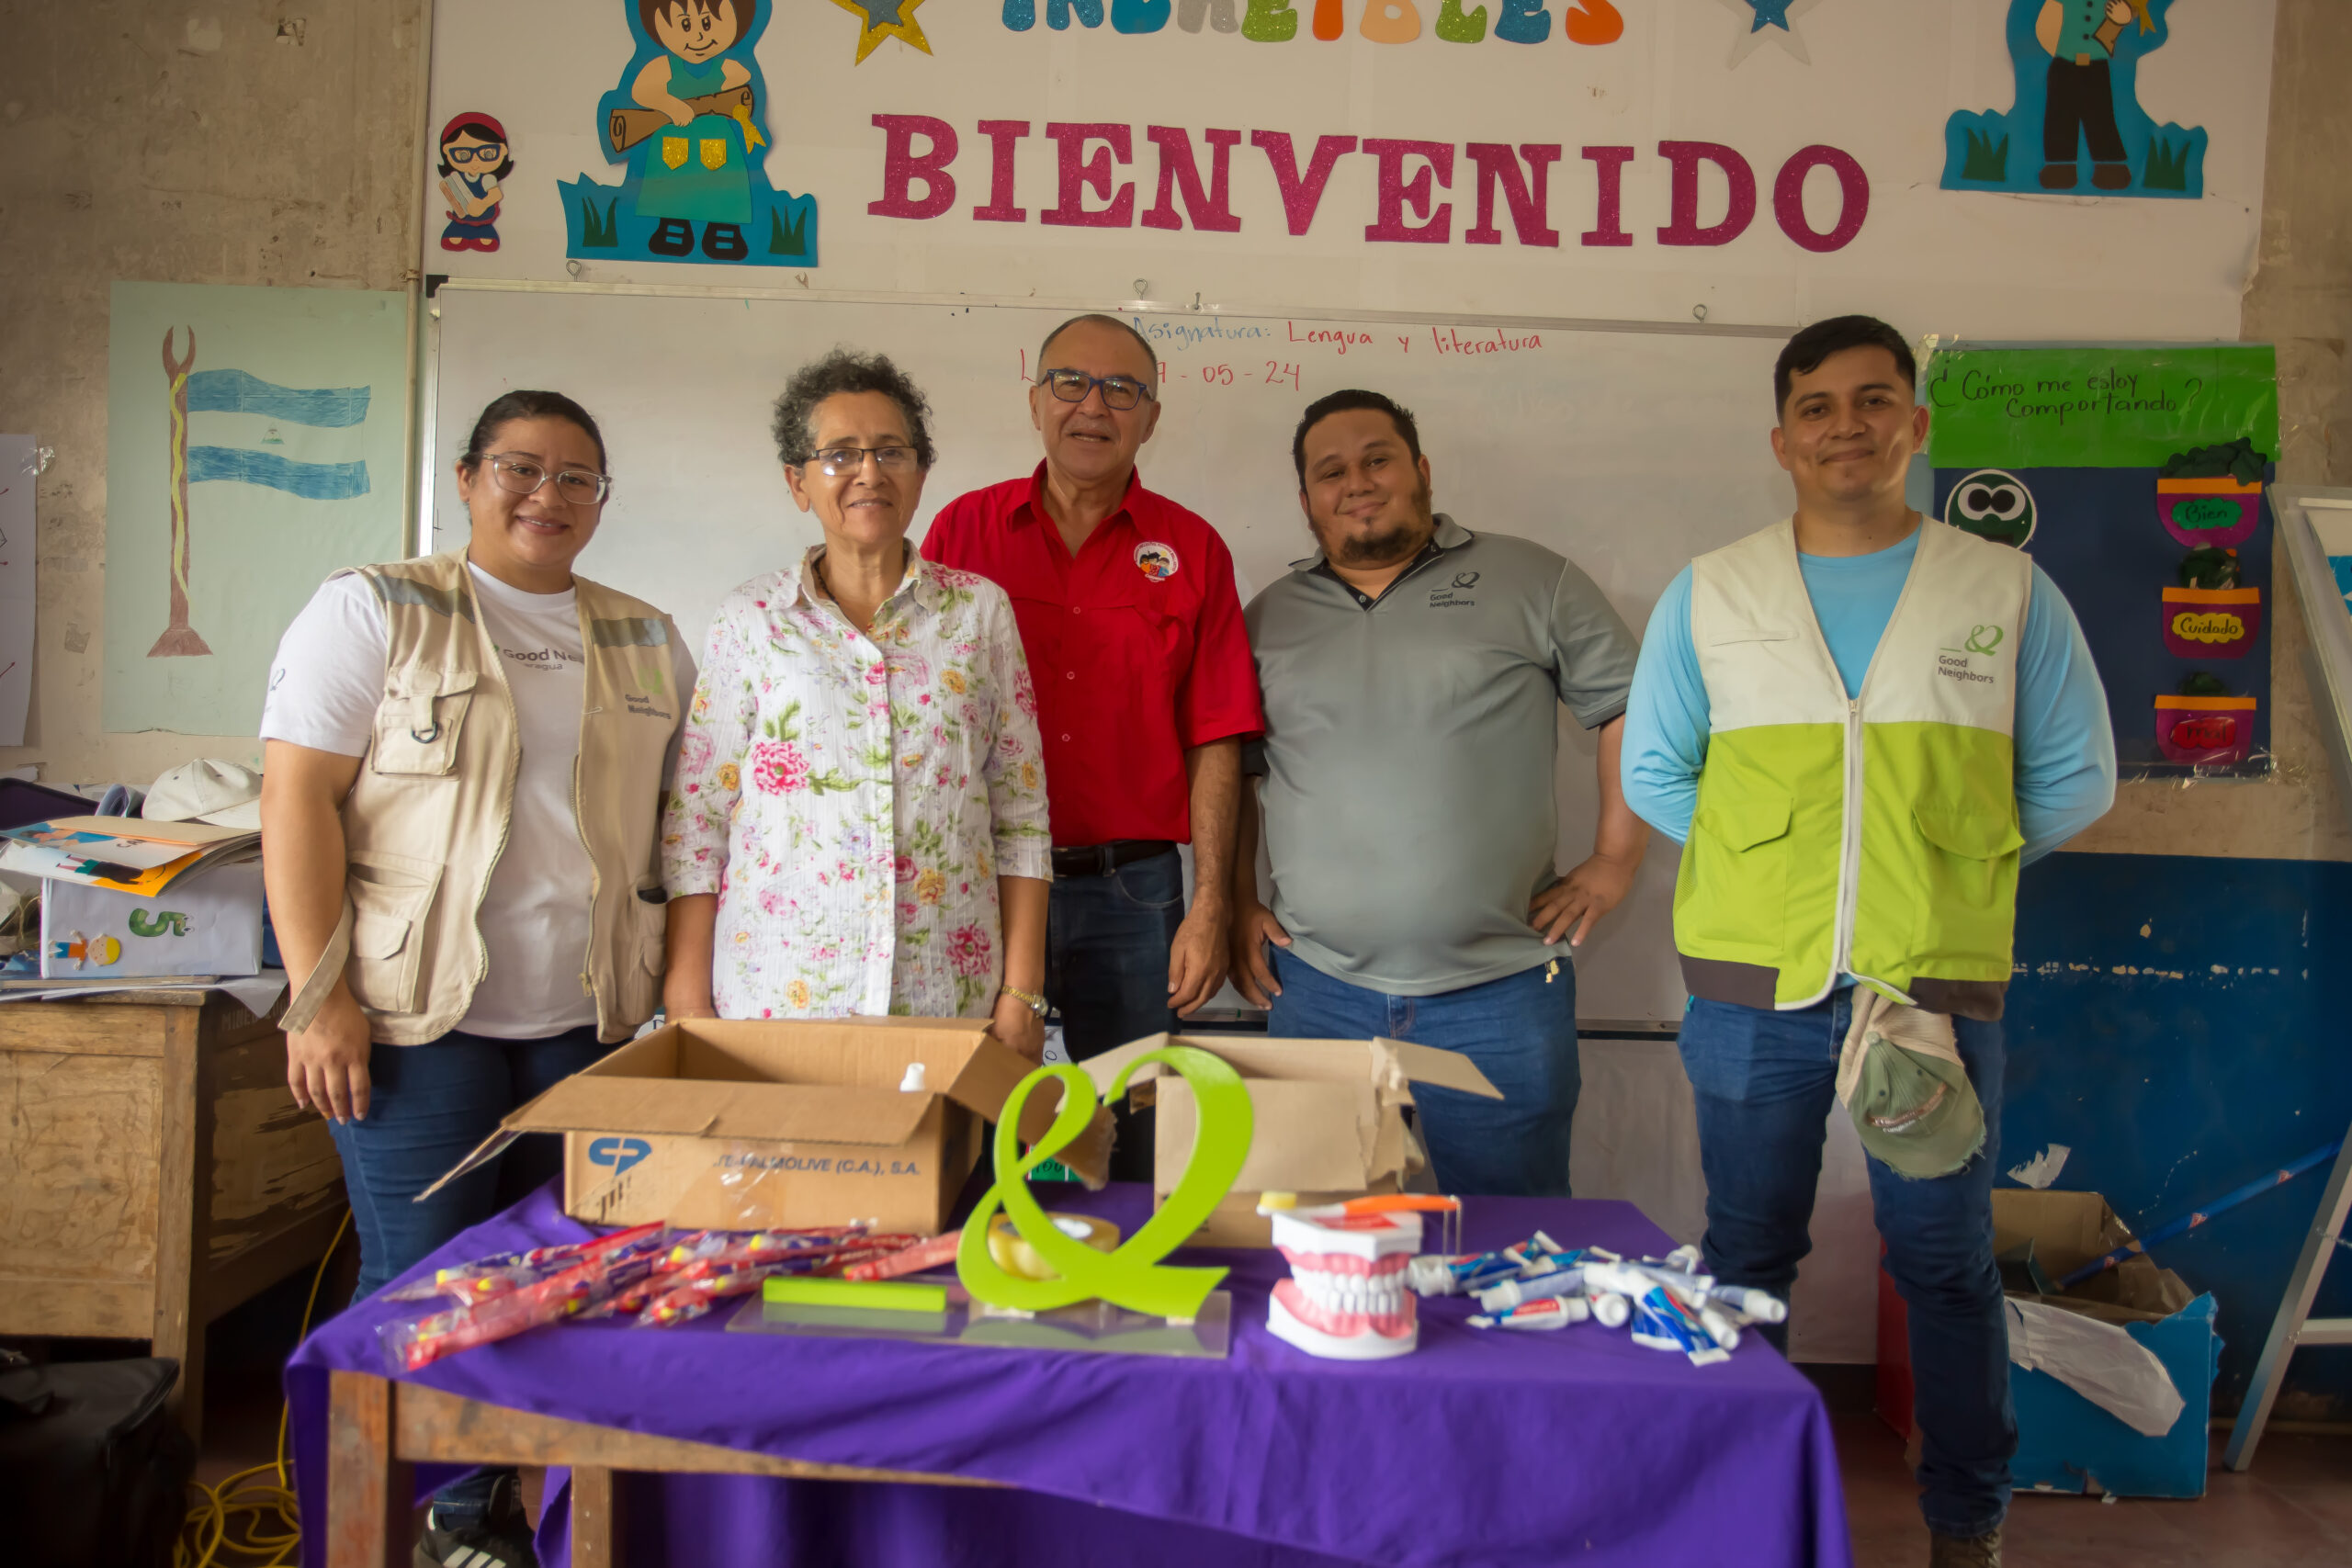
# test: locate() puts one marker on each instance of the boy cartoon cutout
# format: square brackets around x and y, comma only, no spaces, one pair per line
[2080,36]
[697,170]
[474,158]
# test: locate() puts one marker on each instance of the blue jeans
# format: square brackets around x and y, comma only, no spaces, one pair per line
[1765,1083]
[1521,1031]
[428,1106]
[1106,973]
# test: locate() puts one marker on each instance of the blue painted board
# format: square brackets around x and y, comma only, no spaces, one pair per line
[2097,535]
[2181,1022]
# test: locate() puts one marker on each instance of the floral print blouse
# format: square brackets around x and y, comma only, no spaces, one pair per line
[851,800]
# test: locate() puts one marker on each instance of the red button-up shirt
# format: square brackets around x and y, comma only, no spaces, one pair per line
[1135,646]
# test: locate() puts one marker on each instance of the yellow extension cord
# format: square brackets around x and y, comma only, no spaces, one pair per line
[244,1506]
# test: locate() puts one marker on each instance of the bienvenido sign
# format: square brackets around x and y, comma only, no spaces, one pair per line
[1419,184]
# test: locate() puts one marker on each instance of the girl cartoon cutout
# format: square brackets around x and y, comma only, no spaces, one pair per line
[474,158]
[697,169]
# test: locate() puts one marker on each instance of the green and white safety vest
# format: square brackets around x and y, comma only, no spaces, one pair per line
[1875,836]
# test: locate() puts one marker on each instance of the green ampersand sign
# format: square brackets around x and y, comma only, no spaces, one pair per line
[1133,1275]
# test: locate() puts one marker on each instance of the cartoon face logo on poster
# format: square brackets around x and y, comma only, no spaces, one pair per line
[1992,505]
[2077,103]
[474,158]
[687,121]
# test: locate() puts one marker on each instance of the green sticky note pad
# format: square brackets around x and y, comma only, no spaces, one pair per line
[892,1295]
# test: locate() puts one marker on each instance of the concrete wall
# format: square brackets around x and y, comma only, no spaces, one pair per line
[254,142]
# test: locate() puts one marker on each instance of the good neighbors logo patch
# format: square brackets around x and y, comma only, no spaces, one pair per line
[1959,663]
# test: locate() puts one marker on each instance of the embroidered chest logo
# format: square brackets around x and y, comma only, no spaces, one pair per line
[1156,561]
[1454,596]
[1959,663]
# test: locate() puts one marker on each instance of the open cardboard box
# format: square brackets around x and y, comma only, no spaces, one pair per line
[2066,1443]
[785,1124]
[1329,1118]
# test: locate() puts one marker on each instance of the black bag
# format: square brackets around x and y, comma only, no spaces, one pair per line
[93,1473]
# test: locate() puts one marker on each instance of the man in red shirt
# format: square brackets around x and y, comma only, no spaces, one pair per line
[1146,690]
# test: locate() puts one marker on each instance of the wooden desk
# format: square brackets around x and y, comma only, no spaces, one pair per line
[155,1171]
[378,1430]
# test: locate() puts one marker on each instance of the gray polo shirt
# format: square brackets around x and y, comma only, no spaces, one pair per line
[1410,751]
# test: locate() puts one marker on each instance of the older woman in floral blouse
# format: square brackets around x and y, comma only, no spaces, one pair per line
[858,823]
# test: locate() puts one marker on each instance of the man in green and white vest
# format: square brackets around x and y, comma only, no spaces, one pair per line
[1860,722]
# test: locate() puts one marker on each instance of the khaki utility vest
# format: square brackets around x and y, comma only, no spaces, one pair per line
[425,822]
[1875,836]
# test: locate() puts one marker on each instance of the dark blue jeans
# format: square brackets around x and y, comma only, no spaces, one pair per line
[1765,1083]
[1521,1033]
[1106,972]
[428,1107]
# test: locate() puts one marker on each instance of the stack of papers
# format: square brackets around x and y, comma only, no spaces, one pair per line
[259,993]
[126,854]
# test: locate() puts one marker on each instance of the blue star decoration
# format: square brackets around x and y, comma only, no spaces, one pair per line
[1773,21]
[879,19]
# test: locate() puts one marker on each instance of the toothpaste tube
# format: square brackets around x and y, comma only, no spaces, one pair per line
[1704,1318]
[1696,1288]
[1562,1283]
[1550,1311]
[1721,1329]
[1431,1275]
[1471,1272]
[1657,1321]
[1657,1325]
[1609,1309]
[1758,1305]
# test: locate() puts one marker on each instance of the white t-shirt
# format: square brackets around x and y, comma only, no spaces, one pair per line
[323,691]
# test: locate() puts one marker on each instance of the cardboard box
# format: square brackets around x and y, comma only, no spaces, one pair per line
[208,922]
[749,1124]
[2066,1443]
[1329,1118]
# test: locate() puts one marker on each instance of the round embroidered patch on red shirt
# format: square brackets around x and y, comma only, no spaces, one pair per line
[1156,560]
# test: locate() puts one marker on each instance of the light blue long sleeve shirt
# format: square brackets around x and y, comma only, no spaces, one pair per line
[2065,745]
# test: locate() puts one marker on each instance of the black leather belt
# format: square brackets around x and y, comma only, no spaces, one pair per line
[1102,860]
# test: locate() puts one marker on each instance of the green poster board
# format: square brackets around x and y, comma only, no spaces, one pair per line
[2097,408]
[2133,477]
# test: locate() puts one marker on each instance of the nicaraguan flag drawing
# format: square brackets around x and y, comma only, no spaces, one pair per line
[260,407]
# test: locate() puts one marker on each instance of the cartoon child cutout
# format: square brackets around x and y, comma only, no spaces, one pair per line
[698,170]
[473,159]
[2080,36]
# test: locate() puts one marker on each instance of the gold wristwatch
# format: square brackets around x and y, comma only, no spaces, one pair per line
[1029,999]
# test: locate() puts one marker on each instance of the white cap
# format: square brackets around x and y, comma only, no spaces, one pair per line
[913,1082]
[206,789]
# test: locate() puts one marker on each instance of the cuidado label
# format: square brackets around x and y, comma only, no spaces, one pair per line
[2211,623]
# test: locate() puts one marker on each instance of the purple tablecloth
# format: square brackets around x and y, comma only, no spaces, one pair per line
[1481,1448]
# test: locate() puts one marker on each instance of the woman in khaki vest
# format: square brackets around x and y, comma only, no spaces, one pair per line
[465,761]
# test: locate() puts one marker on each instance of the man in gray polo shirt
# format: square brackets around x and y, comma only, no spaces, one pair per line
[1411,670]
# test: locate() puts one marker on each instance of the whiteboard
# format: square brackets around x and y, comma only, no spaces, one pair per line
[1626,451]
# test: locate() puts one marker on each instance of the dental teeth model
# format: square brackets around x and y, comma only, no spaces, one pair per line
[1346,1297]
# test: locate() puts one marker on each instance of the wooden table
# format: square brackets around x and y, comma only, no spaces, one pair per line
[154,1171]
[378,1430]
